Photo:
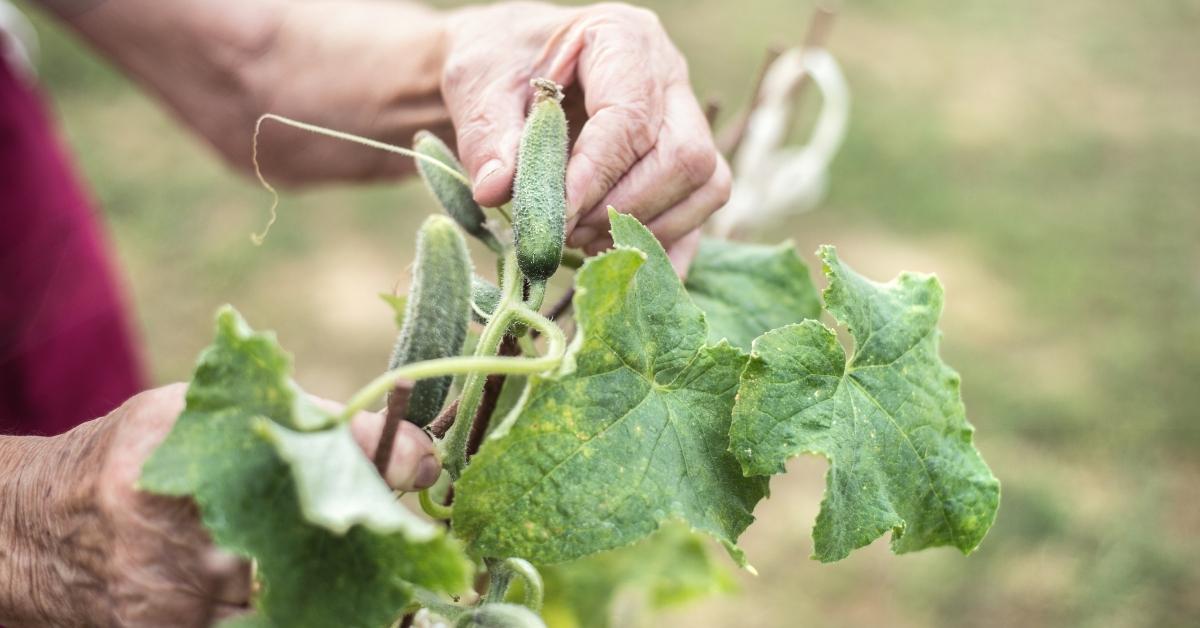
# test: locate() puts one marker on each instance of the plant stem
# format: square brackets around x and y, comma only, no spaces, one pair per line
[510,309]
[397,410]
[454,446]
[439,426]
[349,137]
[500,575]
[258,238]
[492,387]
[537,292]
[505,211]
[435,510]
[526,344]
[461,365]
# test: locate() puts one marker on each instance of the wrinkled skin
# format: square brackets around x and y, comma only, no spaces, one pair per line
[129,558]
[388,69]
[642,143]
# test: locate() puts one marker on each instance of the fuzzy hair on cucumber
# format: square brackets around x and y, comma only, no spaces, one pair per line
[451,194]
[539,204]
[485,296]
[437,313]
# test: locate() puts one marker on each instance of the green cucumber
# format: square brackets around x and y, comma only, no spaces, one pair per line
[485,296]
[437,313]
[454,196]
[539,204]
[500,616]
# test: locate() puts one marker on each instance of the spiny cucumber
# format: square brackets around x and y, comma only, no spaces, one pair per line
[451,193]
[437,313]
[539,203]
[485,296]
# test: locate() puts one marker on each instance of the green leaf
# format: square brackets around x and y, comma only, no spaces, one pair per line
[672,567]
[254,502]
[337,486]
[633,432]
[399,305]
[747,290]
[890,421]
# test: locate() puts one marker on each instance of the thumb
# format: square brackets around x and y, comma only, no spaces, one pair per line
[414,463]
[488,114]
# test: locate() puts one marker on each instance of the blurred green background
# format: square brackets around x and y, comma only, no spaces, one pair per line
[1042,157]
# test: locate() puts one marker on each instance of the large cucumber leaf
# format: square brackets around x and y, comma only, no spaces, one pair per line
[633,433]
[747,290]
[890,420]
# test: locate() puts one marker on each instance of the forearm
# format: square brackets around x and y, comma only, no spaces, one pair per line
[51,559]
[219,64]
[189,53]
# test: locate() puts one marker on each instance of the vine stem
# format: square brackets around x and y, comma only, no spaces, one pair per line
[397,409]
[510,309]
[492,386]
[500,575]
[258,238]
[462,365]
[475,367]
[435,510]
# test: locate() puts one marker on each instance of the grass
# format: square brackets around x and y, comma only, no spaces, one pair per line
[1040,157]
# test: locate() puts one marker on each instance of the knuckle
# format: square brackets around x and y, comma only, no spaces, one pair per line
[607,171]
[640,127]
[457,72]
[721,195]
[475,130]
[722,183]
[697,160]
[453,75]
[472,71]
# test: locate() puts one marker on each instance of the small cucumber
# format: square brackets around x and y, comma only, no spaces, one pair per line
[539,205]
[500,616]
[485,296]
[451,194]
[437,313]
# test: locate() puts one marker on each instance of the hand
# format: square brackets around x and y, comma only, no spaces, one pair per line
[124,557]
[369,67]
[387,69]
[643,147]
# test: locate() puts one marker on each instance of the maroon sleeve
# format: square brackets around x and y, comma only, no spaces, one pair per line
[66,349]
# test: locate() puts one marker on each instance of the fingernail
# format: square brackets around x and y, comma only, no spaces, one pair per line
[428,471]
[487,170]
[582,235]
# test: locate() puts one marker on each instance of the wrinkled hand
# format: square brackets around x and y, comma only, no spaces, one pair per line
[161,567]
[642,143]
[388,69]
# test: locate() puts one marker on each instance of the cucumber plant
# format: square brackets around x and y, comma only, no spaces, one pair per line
[576,466]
